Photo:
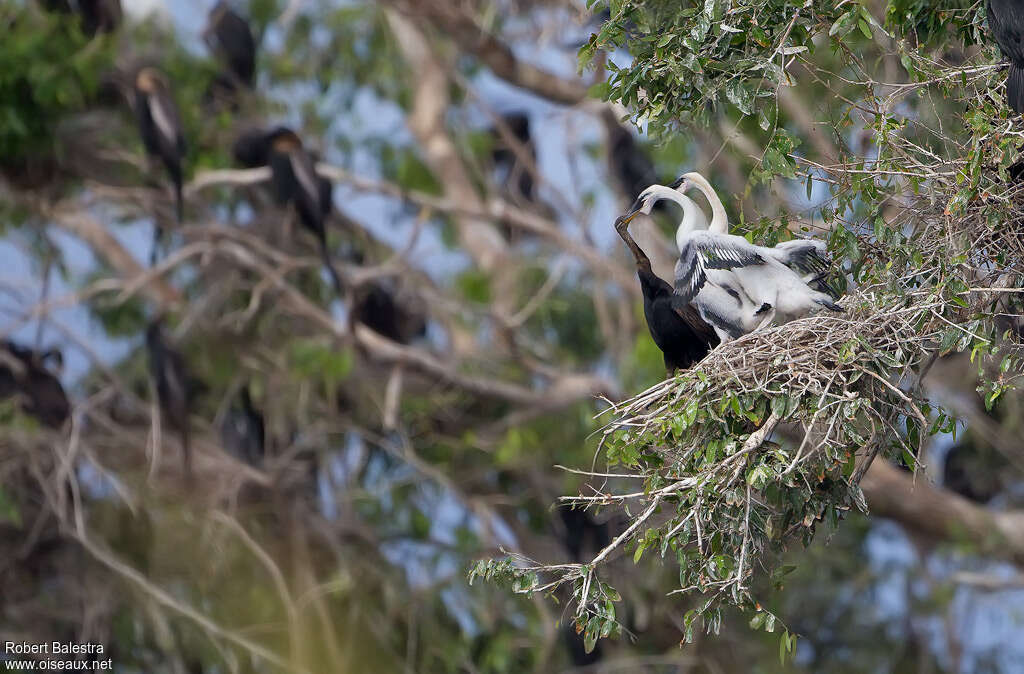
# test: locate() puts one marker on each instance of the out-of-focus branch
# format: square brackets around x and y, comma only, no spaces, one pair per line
[427,121]
[939,513]
[499,210]
[564,389]
[495,209]
[215,177]
[165,599]
[813,130]
[103,243]
[451,20]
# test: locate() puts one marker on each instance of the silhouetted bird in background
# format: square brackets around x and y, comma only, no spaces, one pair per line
[976,470]
[294,178]
[378,308]
[1006,22]
[629,165]
[582,532]
[174,389]
[251,148]
[296,181]
[517,179]
[243,432]
[229,36]
[577,649]
[23,373]
[97,16]
[160,127]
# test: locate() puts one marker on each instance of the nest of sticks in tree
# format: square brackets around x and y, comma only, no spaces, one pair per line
[717,492]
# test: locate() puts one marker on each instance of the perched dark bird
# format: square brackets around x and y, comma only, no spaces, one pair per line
[517,178]
[243,432]
[229,36]
[378,308]
[628,164]
[296,181]
[57,6]
[975,471]
[577,648]
[1006,23]
[24,373]
[679,331]
[582,532]
[97,16]
[160,127]
[174,389]
[252,148]
[514,163]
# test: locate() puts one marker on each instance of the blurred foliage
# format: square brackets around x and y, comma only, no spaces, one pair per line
[932,22]
[48,69]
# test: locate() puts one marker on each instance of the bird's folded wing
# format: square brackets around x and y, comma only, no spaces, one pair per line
[165,116]
[305,174]
[704,250]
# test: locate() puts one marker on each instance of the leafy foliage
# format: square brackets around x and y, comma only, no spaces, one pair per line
[39,82]
[692,58]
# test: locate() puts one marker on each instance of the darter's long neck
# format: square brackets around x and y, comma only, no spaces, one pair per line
[693,218]
[719,218]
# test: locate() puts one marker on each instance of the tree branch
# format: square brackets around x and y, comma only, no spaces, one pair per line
[103,243]
[939,513]
[450,20]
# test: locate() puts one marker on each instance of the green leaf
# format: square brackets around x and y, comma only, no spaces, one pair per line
[591,634]
[841,24]
[778,405]
[740,96]
[758,476]
[949,339]
[600,90]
